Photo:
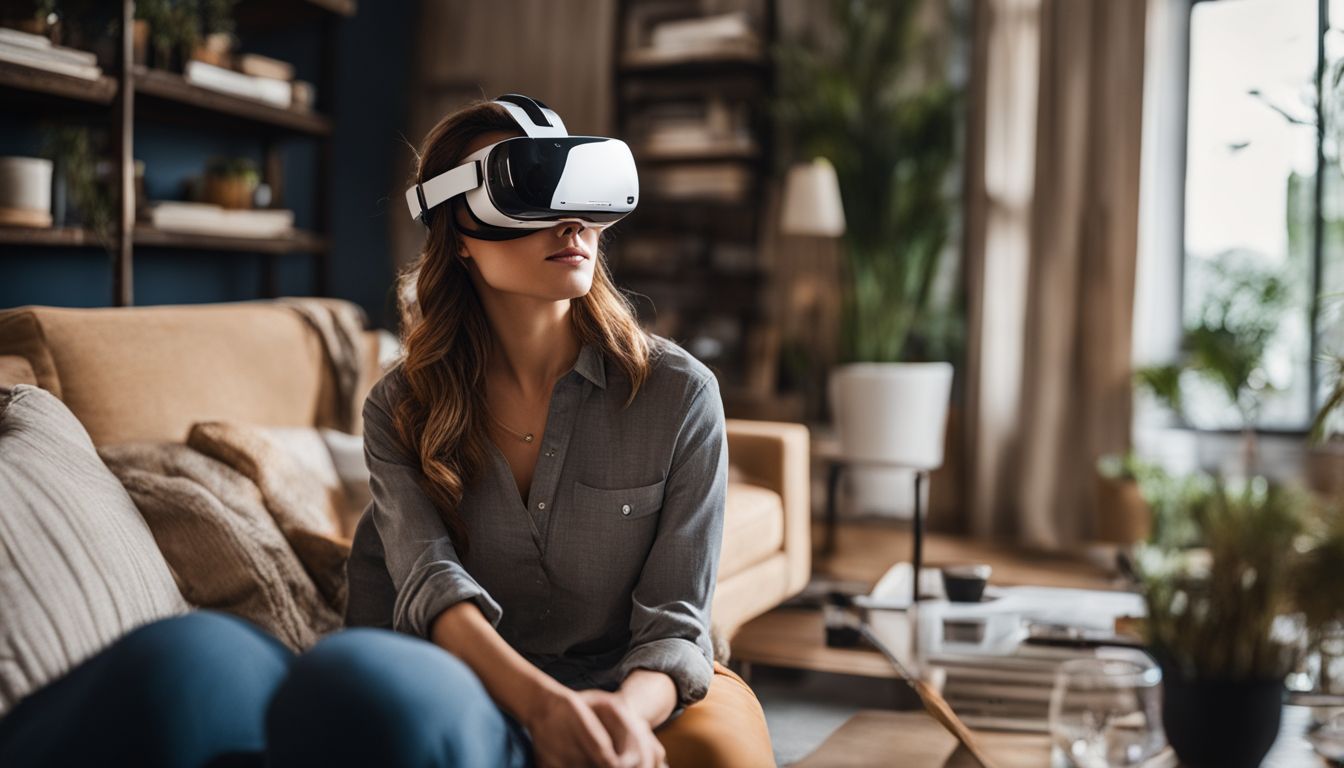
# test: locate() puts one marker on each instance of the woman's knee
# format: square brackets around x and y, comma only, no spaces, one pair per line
[178,657]
[381,695]
[187,688]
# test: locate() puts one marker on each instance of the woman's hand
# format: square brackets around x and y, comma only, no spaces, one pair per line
[630,734]
[567,733]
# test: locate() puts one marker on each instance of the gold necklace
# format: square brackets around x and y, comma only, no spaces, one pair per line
[526,437]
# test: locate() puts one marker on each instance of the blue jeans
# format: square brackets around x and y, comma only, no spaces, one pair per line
[209,689]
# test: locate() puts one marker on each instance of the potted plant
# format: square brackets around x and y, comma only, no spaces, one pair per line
[870,93]
[1246,581]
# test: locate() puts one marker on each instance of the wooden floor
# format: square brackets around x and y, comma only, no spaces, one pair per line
[795,637]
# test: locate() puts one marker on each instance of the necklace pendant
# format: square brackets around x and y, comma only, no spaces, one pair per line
[527,438]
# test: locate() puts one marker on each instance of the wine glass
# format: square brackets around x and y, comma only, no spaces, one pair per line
[1106,712]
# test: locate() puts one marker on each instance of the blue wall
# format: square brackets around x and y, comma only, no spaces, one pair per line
[373,63]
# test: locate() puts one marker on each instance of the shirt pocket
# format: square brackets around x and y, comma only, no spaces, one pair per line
[620,503]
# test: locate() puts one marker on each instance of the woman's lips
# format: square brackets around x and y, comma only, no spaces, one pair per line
[571,256]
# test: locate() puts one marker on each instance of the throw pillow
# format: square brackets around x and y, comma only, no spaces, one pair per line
[213,526]
[296,499]
[78,566]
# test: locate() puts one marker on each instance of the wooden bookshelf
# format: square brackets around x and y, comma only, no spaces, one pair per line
[133,92]
[715,102]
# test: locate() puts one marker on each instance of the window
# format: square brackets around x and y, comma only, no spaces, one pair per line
[1264,193]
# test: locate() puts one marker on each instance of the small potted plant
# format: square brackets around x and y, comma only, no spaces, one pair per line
[1243,578]
[231,182]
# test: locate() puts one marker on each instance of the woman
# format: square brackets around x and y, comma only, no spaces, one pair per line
[548,495]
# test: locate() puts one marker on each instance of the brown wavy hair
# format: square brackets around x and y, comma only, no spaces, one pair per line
[440,417]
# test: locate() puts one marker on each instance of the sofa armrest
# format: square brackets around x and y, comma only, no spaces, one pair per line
[774,454]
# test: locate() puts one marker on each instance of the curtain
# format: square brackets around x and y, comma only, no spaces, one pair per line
[1052,229]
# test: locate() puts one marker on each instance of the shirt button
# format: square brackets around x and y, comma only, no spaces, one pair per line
[541,505]
[625,509]
[550,451]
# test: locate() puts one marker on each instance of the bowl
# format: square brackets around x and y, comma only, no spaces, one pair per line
[965,583]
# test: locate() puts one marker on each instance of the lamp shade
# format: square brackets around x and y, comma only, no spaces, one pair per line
[812,203]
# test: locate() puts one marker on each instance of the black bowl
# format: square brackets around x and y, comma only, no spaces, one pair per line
[965,583]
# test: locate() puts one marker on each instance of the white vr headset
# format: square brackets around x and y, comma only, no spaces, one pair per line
[520,185]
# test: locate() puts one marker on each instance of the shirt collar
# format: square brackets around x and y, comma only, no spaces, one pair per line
[590,364]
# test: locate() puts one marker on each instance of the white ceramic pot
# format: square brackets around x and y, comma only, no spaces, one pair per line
[25,182]
[895,412]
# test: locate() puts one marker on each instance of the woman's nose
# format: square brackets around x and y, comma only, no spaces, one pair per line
[570,226]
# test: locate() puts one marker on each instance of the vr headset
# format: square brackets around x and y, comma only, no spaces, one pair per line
[520,185]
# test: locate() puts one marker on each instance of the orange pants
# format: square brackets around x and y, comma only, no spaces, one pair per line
[726,729]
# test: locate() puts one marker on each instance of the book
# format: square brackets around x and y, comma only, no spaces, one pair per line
[278,93]
[43,60]
[210,219]
[40,45]
[264,66]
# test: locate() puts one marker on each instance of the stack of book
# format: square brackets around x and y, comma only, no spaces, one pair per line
[721,36]
[253,77]
[210,219]
[38,52]
[721,183]
[711,126]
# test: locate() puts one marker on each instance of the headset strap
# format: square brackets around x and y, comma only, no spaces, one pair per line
[422,197]
[535,118]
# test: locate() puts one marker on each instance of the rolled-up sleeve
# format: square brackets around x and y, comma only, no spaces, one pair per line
[670,617]
[423,564]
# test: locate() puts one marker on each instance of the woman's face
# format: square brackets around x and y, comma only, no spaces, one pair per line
[521,265]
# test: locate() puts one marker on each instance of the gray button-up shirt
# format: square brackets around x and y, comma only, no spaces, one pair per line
[610,563]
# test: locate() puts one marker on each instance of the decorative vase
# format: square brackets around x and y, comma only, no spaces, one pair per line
[895,413]
[1223,723]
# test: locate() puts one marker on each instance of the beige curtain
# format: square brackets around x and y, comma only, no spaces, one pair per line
[1052,229]
[560,53]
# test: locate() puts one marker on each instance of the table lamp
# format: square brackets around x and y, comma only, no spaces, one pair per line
[812,203]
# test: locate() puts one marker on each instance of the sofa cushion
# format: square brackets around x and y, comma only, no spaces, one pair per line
[753,527]
[78,566]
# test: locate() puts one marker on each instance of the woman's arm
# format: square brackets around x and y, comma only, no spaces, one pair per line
[669,619]
[511,680]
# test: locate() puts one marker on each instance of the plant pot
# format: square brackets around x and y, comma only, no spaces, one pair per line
[890,412]
[1325,468]
[1224,723]
[1123,516]
[230,191]
[140,41]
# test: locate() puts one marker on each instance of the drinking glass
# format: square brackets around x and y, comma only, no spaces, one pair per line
[1106,712]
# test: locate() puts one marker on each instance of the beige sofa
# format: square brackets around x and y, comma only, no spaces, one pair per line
[149,373]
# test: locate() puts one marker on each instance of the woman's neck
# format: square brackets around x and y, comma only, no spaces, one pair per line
[534,345]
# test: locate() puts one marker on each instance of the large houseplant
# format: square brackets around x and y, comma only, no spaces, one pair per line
[1241,578]
[870,91]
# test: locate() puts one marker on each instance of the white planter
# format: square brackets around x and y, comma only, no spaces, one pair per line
[893,412]
[25,183]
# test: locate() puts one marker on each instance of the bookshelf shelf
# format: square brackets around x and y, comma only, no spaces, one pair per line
[172,87]
[299,242]
[68,237]
[19,78]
